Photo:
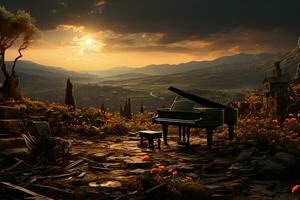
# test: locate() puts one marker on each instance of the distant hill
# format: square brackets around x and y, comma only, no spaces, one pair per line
[212,79]
[32,68]
[165,69]
[239,72]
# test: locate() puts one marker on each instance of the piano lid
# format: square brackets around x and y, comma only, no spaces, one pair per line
[197,99]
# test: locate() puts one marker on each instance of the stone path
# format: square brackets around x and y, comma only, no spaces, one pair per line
[217,171]
[112,168]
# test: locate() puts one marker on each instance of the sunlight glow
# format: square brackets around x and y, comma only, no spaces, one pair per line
[88,41]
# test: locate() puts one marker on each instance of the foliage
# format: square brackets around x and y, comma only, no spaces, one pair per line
[14,27]
[69,99]
[271,134]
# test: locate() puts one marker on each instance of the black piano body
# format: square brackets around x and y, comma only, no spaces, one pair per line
[209,118]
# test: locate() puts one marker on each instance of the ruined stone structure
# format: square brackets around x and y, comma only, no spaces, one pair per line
[276,93]
[297,76]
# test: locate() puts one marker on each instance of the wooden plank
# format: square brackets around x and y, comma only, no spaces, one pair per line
[24,190]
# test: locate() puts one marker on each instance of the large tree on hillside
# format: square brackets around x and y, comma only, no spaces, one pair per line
[16,30]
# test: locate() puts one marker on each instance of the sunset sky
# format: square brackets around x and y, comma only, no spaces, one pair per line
[100,34]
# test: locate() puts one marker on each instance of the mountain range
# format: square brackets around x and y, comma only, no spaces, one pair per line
[230,74]
[165,69]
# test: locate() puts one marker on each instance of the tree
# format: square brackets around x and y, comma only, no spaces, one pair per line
[128,111]
[121,111]
[142,108]
[102,108]
[15,29]
[69,99]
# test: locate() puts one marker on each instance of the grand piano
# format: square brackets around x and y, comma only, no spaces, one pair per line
[209,117]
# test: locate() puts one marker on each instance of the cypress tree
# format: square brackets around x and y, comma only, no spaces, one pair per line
[129,114]
[69,99]
[142,108]
[125,110]
[121,111]
[102,108]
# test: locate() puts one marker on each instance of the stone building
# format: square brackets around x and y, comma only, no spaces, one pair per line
[276,93]
[297,76]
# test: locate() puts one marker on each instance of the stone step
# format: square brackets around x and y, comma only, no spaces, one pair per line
[12,142]
[7,134]
[7,112]
[11,125]
[21,153]
[37,117]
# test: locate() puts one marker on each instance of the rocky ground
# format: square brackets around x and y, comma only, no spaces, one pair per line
[115,167]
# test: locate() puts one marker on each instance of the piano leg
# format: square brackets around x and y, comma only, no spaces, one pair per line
[179,133]
[230,132]
[142,142]
[184,132]
[165,133]
[188,136]
[209,134]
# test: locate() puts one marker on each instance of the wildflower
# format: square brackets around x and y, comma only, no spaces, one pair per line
[291,115]
[274,121]
[295,188]
[174,173]
[145,158]
[274,132]
[298,115]
[154,171]
[161,168]
[292,120]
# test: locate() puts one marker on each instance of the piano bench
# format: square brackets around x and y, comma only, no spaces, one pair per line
[150,135]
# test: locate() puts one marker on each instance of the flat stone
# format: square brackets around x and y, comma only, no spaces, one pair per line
[117,158]
[186,168]
[285,159]
[111,184]
[100,156]
[138,171]
[135,162]
[246,154]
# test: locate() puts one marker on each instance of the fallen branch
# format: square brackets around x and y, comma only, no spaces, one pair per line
[24,190]
[52,188]
[101,168]
[14,166]
[74,164]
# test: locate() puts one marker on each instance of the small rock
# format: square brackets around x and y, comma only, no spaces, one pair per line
[246,154]
[285,159]
[111,184]
[271,169]
[134,163]
[101,156]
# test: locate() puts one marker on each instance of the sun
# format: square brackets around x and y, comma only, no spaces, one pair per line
[88,41]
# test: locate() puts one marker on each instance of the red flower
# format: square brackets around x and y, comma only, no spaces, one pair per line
[145,158]
[295,188]
[161,168]
[174,173]
[154,171]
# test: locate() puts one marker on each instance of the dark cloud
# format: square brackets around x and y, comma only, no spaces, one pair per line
[178,20]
